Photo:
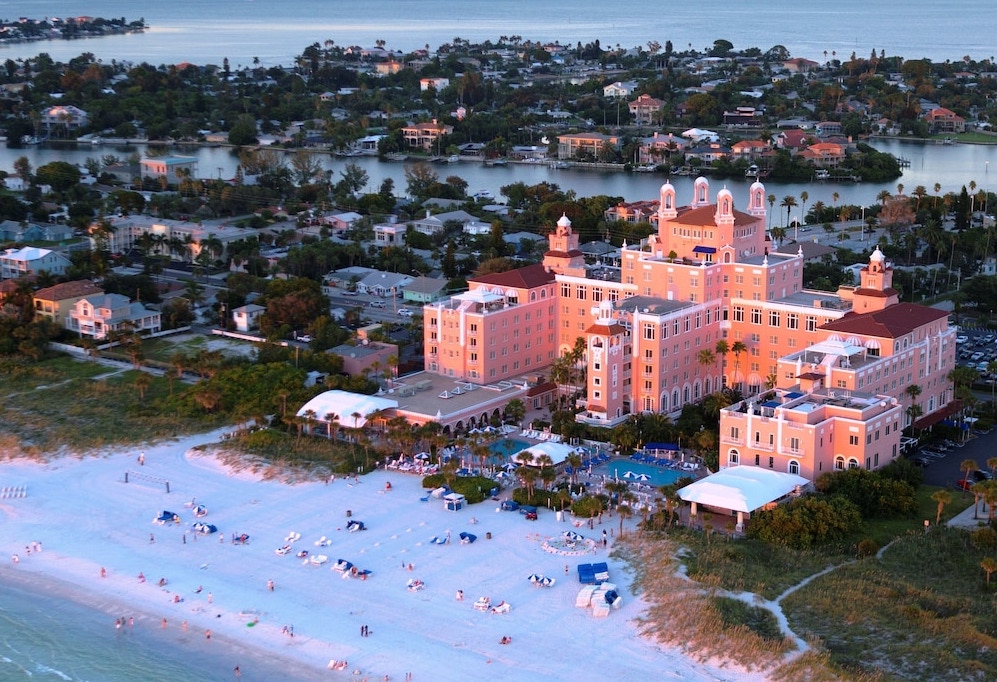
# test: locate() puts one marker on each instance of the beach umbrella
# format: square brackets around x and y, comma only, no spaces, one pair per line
[643,477]
[510,466]
[422,455]
[629,474]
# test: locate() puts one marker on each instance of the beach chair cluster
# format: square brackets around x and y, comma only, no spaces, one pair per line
[542,435]
[595,460]
[540,580]
[13,492]
[593,574]
[484,604]
[600,598]
[418,467]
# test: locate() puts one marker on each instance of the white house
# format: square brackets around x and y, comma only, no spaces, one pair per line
[102,314]
[247,317]
[170,167]
[31,260]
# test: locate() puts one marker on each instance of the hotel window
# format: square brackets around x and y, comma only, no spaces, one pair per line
[794,468]
[853,440]
[756,316]
[811,323]
[732,457]
[473,327]
[792,321]
[738,313]
[648,386]
[597,295]
[647,276]
[614,295]
[649,332]
[581,293]
[565,290]
[771,462]
[839,463]
[757,281]
[773,318]
[734,432]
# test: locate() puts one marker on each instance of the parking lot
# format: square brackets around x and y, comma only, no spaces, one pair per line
[976,348]
[943,464]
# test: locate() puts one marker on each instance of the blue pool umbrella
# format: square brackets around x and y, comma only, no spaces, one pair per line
[422,455]
[629,474]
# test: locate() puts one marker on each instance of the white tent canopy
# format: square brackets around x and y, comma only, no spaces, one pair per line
[742,488]
[344,405]
[557,452]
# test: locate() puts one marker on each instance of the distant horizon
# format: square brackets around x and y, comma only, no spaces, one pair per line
[241,31]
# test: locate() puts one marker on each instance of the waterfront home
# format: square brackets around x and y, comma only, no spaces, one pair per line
[170,167]
[942,120]
[103,314]
[54,303]
[424,135]
[575,145]
[644,109]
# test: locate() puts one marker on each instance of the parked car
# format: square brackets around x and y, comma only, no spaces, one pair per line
[963,484]
[377,304]
[961,338]
[981,475]
[349,292]
[405,312]
[303,338]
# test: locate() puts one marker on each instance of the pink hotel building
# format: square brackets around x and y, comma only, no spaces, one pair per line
[838,363]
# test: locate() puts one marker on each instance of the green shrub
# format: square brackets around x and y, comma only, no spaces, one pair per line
[806,522]
[867,547]
[875,495]
[734,612]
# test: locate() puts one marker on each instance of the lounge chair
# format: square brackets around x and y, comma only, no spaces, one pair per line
[283,550]
[318,559]
[482,604]
[342,566]
[501,607]
[584,598]
[600,571]
[414,585]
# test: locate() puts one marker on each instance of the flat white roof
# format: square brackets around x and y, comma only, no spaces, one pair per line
[742,488]
[345,404]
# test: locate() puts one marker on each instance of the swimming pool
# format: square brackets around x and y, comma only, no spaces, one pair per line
[507,447]
[659,476]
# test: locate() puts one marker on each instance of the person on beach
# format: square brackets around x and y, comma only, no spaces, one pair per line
[164,624]
[237,672]
[152,538]
[141,459]
[183,626]
[16,559]
[270,584]
[131,623]
[117,623]
[141,577]
[211,598]
[207,634]
[103,572]
[460,595]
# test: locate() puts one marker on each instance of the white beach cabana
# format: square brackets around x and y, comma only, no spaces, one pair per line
[741,489]
[557,452]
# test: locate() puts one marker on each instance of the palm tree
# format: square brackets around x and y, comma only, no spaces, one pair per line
[142,383]
[772,200]
[969,466]
[331,423]
[528,477]
[804,197]
[913,391]
[942,497]
[989,565]
[789,203]
[737,349]
[992,465]
[721,349]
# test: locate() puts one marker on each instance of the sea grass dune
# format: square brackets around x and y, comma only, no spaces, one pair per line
[76,523]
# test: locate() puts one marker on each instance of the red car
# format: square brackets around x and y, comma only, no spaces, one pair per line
[964,484]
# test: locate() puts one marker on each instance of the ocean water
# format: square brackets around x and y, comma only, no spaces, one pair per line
[274,32]
[53,634]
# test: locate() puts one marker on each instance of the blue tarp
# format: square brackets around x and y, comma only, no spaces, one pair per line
[703,249]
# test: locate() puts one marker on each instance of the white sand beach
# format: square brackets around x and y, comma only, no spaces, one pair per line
[86,518]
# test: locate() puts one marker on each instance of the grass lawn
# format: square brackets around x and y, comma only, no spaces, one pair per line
[923,612]
[58,404]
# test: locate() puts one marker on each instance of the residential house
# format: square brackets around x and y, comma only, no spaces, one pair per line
[384,284]
[433,224]
[66,117]
[170,167]
[589,145]
[619,90]
[824,154]
[708,153]
[31,260]
[55,303]
[828,128]
[436,84]
[748,149]
[645,109]
[424,290]
[794,139]
[632,211]
[103,314]
[660,148]
[389,234]
[15,183]
[800,65]
[743,117]
[424,135]
[942,120]
[247,317]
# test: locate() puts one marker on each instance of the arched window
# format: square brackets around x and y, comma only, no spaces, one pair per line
[727,257]
[853,463]
[543,293]
[839,463]
[533,295]
[794,467]
[733,457]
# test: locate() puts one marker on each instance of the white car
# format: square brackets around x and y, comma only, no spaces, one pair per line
[405,312]
[962,338]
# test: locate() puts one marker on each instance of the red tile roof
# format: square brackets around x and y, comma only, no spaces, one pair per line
[890,323]
[706,215]
[528,277]
[74,289]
